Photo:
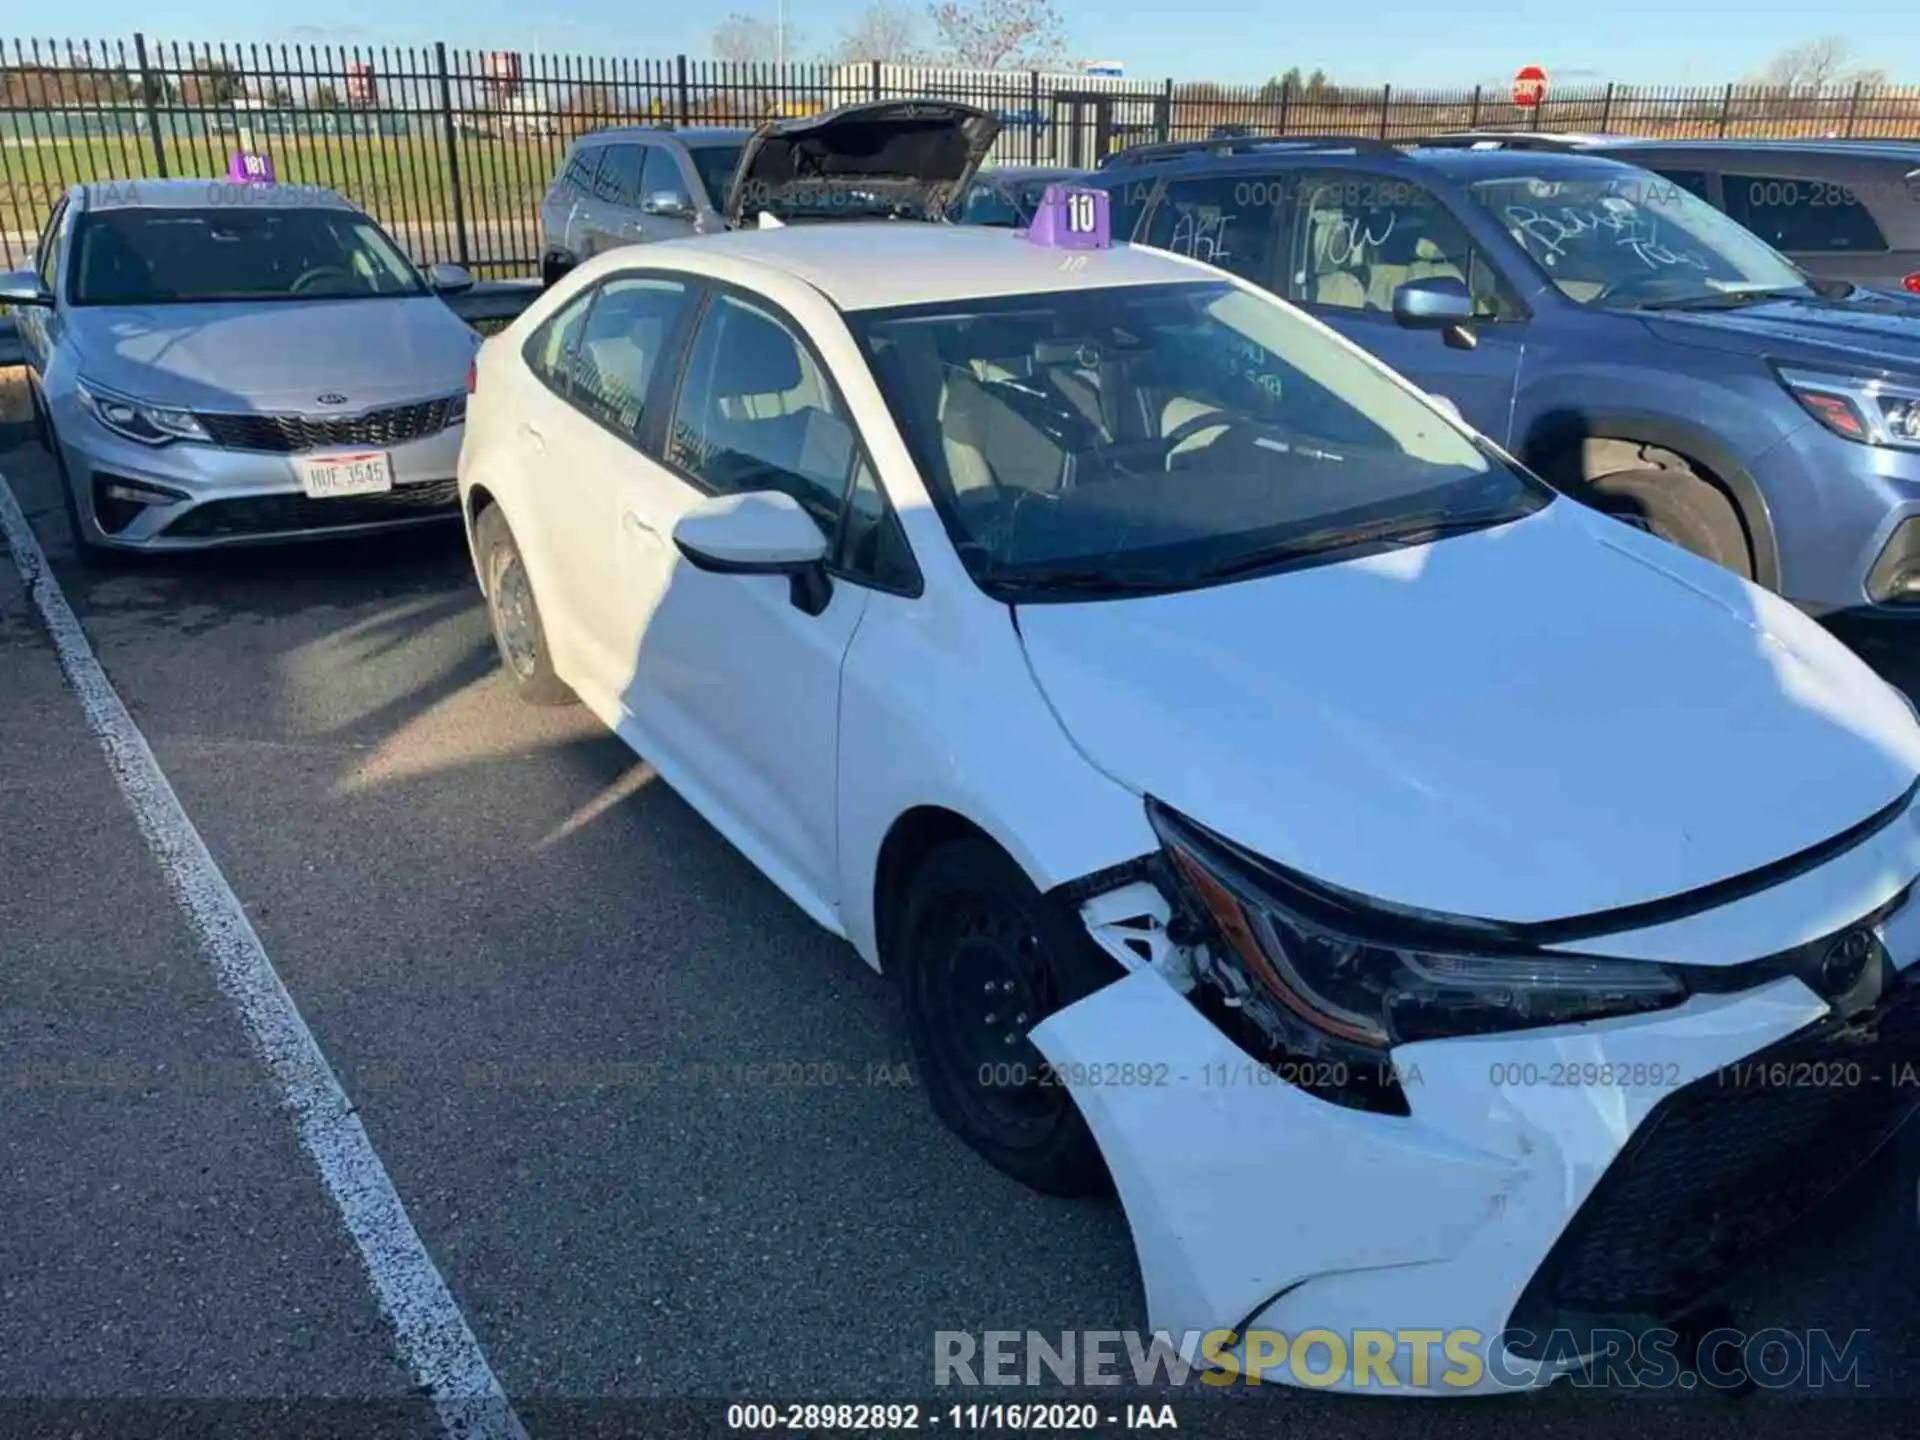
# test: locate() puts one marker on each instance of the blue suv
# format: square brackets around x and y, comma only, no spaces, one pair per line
[1632,344]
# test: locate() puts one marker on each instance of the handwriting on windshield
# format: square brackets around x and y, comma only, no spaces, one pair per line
[1347,240]
[1553,231]
[1201,237]
[1252,359]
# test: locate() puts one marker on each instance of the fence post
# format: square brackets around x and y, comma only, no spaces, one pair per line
[1033,109]
[453,151]
[1853,106]
[1726,109]
[1473,122]
[1606,110]
[1286,99]
[1386,104]
[875,77]
[147,85]
[1164,128]
[683,100]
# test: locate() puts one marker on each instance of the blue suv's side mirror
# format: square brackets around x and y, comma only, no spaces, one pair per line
[1438,302]
[1433,303]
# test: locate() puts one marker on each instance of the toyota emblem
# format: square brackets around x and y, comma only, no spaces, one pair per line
[332,399]
[1846,960]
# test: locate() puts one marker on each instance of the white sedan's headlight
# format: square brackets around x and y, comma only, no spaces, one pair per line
[137,419]
[1324,979]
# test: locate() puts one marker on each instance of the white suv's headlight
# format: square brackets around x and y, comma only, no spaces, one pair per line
[1862,408]
[136,419]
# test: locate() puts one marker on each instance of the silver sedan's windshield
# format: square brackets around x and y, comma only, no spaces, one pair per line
[1634,240]
[1157,437]
[142,256]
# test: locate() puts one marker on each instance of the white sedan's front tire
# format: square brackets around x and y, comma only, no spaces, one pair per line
[983,958]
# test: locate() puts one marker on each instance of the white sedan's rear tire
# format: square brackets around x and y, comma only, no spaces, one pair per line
[518,631]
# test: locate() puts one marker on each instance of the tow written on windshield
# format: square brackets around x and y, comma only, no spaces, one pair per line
[1614,219]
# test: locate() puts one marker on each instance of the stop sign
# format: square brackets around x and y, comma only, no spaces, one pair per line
[1529,86]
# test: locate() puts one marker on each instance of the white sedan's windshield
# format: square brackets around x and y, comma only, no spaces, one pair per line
[1632,240]
[1158,437]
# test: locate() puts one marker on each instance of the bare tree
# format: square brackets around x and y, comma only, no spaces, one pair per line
[1815,65]
[998,34]
[887,31]
[750,39]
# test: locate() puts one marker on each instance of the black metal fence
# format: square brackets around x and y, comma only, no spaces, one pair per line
[452,149]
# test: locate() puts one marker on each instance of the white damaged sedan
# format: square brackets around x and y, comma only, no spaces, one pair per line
[1422,898]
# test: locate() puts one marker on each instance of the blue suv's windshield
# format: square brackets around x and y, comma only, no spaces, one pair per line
[1634,241]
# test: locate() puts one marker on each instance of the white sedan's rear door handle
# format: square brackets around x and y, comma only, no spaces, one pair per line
[532,436]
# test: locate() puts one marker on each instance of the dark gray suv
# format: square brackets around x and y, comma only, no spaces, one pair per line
[1839,209]
[898,159]
[623,187]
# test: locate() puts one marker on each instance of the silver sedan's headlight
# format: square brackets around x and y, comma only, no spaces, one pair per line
[137,419]
[1321,976]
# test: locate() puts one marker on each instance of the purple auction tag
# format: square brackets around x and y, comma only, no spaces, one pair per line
[1071,218]
[250,169]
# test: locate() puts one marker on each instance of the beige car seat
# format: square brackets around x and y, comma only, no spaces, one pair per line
[1405,256]
[1327,283]
[987,442]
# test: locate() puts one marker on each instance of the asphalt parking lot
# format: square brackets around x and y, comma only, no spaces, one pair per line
[539,976]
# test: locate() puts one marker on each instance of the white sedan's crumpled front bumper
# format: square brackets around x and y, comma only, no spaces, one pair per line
[1258,1208]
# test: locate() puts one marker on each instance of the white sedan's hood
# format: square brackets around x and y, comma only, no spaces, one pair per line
[1542,721]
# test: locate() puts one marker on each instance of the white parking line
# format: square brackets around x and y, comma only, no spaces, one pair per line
[431,1333]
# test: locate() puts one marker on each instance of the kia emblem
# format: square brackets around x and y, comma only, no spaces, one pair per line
[332,399]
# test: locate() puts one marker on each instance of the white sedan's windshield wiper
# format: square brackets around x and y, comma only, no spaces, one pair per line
[1400,532]
[1082,580]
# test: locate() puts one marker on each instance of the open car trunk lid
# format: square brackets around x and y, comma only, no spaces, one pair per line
[862,161]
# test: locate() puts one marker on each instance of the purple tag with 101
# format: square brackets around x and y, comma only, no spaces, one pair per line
[1071,218]
[250,169]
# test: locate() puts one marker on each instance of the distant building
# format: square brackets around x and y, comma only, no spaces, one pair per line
[518,114]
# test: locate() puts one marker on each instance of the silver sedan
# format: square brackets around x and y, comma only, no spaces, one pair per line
[220,363]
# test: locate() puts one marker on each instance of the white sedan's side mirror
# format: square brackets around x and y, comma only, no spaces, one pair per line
[1441,402]
[760,532]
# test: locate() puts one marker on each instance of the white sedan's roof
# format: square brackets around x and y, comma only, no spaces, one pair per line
[870,265]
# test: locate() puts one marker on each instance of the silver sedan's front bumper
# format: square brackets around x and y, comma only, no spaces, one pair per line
[205,496]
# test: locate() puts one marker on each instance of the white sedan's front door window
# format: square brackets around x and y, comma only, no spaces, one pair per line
[740,685]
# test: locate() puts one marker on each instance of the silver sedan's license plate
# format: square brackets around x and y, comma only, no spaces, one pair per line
[364,473]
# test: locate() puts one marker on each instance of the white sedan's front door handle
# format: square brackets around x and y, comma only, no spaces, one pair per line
[640,530]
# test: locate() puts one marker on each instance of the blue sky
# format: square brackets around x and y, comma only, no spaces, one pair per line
[1403,42]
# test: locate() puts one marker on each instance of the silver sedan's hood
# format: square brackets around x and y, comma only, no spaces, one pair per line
[279,356]
[1539,722]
